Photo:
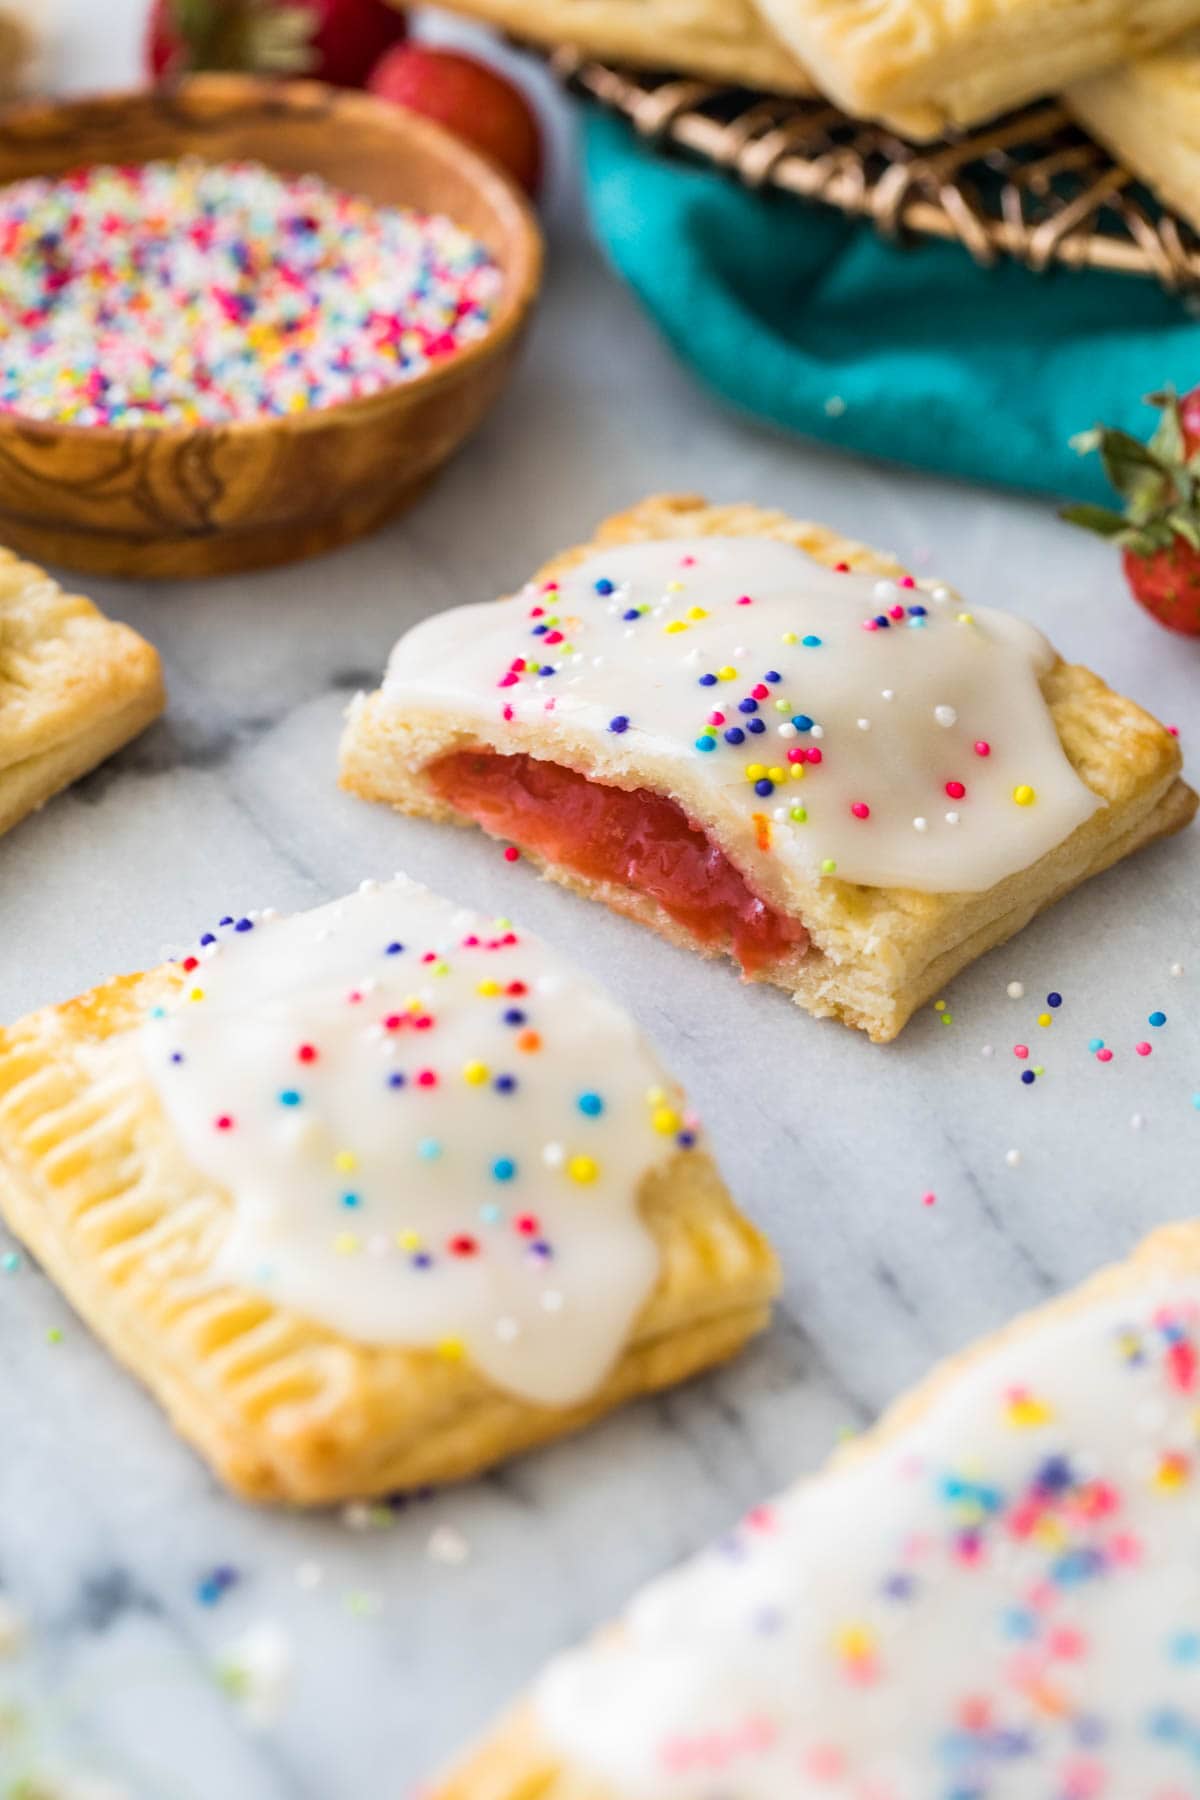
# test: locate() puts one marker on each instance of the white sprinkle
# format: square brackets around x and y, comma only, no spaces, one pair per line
[552,1301]
[952,818]
[1137,1121]
[887,693]
[835,406]
[780,814]
[448,1547]
[552,1156]
[1015,990]
[787,731]
[920,824]
[369,886]
[1177,969]
[818,731]
[945,716]
[864,724]
[987,1051]
[309,1575]
[940,594]
[507,1330]
[1012,1158]
[886,593]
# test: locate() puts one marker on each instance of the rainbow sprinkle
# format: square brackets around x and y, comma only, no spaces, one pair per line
[189,293]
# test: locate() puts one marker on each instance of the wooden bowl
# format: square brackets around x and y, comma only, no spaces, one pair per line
[212,499]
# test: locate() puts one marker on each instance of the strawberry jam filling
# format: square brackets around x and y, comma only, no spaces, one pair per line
[637,839]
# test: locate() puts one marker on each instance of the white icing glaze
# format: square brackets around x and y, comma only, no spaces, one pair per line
[455,1214]
[1000,1603]
[897,711]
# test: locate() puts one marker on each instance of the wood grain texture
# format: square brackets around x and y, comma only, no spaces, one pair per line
[207,500]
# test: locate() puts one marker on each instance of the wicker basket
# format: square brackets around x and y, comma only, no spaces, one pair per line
[1032,186]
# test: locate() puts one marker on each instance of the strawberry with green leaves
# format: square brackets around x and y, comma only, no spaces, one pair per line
[1158,530]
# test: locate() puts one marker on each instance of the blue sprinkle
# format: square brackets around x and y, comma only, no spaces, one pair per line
[289,1097]
[1095,1043]
[505,1084]
[218,1581]
[177,1056]
[735,735]
[802,722]
[757,726]
[208,938]
[10,1262]
[429,1149]
[513,1016]
[772,675]
[1158,1018]
[1054,999]
[590,1104]
[810,642]
[1028,1077]
[422,1260]
[546,669]
[394,950]
[352,1200]
[706,743]
[227,920]
[504,1168]
[604,586]
[916,612]
[708,681]
[539,631]
[244,925]
[764,787]
[631,615]
[748,705]
[686,1139]
[619,724]
[396,1079]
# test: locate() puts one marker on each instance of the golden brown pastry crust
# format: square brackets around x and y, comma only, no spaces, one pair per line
[93,1181]
[74,687]
[924,66]
[1148,114]
[516,1763]
[721,40]
[877,953]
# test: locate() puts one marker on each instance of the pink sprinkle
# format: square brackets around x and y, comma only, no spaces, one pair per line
[508,715]
[1021,1050]
[744,600]
[508,680]
[760,692]
[1174,730]
[427,1078]
[687,562]
[716,718]
[841,568]
[928,1199]
[955,789]
[224,1123]
[906,581]
[861,810]
[814,756]
[511,853]
[982,747]
[1142,1049]
[536,612]
[895,612]
[797,756]
[870,625]
[1104,1056]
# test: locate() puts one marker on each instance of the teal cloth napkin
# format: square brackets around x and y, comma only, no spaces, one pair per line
[813,321]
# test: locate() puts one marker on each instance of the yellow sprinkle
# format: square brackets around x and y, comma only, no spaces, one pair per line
[476,1073]
[488,988]
[855,1642]
[697,612]
[783,706]
[674,587]
[966,618]
[675,626]
[776,774]
[939,1006]
[1024,795]
[1025,1410]
[789,637]
[408,1240]
[727,674]
[345,1243]
[655,1097]
[344,1161]
[1043,1018]
[441,968]
[451,1349]
[583,1168]
[797,770]
[196,994]
[755,771]
[666,1120]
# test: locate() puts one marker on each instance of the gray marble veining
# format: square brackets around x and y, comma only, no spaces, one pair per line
[403,1638]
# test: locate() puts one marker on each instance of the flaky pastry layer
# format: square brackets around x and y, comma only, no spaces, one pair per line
[1148,114]
[74,687]
[722,40]
[877,953]
[516,1763]
[926,66]
[93,1181]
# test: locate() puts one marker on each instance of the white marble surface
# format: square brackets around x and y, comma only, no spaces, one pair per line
[397,1654]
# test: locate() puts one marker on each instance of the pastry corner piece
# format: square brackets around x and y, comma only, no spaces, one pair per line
[372,1196]
[995,1591]
[1147,113]
[74,687]
[771,743]
[926,67]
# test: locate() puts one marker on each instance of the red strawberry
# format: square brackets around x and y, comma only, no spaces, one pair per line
[1159,528]
[335,40]
[471,99]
